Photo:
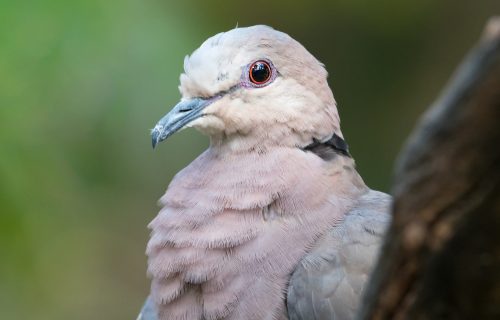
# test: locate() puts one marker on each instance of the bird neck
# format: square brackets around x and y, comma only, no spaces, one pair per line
[265,142]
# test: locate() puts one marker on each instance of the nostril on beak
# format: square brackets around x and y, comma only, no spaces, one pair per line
[185,108]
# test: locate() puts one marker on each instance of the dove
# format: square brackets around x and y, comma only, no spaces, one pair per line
[272,221]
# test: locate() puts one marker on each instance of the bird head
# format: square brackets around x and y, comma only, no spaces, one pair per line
[253,87]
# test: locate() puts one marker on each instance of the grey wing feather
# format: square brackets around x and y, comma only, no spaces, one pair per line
[329,281]
[148,311]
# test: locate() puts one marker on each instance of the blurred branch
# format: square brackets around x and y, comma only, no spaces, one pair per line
[441,257]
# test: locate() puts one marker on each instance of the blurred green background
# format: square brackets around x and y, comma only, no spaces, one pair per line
[83,81]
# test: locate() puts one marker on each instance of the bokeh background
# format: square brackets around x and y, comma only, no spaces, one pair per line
[83,81]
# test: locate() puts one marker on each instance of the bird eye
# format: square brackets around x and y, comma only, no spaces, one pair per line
[260,72]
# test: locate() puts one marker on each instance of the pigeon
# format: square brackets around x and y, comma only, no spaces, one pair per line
[272,221]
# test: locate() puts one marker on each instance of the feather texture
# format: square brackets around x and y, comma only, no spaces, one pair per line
[329,280]
[233,229]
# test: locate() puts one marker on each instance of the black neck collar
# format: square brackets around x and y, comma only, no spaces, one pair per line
[327,149]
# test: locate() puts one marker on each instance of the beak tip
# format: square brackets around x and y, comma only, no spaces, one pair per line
[183,113]
[155,137]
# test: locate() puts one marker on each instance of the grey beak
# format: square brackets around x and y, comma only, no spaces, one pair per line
[183,113]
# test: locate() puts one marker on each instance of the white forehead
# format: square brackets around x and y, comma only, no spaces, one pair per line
[226,46]
[218,63]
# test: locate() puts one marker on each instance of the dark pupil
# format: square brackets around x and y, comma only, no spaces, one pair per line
[260,72]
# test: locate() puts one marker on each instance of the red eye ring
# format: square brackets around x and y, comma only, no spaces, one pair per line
[260,72]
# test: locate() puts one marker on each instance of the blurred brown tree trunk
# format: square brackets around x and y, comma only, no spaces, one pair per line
[441,257]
